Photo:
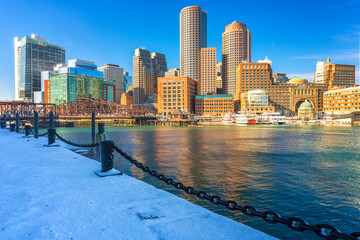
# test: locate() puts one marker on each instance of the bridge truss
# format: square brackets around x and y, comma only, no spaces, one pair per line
[77,108]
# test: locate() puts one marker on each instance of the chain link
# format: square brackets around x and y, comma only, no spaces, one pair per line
[76,144]
[324,231]
[42,135]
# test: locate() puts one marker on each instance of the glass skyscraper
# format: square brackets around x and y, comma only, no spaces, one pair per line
[33,55]
[127,81]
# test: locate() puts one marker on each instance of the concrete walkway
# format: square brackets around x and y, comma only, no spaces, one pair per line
[52,193]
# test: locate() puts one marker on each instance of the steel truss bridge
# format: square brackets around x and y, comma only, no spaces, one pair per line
[77,108]
[25,109]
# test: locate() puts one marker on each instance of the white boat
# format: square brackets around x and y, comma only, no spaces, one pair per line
[271,118]
[228,118]
[245,117]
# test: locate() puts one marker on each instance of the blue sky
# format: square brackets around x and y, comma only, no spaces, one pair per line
[293,34]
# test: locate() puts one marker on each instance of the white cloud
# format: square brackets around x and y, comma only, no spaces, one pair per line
[348,54]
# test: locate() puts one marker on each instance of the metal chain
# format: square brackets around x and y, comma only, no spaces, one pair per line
[32,131]
[42,135]
[76,144]
[324,231]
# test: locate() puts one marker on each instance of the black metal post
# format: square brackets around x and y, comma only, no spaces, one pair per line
[92,127]
[5,121]
[12,127]
[51,136]
[27,130]
[2,124]
[36,124]
[17,126]
[106,155]
[101,128]
[51,120]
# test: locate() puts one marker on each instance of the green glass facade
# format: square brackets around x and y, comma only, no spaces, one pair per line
[67,87]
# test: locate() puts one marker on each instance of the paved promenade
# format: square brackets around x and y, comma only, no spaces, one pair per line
[52,193]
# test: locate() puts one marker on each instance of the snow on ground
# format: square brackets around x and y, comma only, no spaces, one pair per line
[52,193]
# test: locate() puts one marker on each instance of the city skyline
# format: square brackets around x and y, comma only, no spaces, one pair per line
[317,37]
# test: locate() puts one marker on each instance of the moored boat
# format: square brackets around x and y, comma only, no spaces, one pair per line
[271,118]
[228,118]
[245,117]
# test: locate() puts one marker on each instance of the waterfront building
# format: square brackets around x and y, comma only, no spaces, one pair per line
[109,90]
[65,87]
[126,99]
[207,82]
[127,81]
[174,72]
[280,78]
[342,100]
[115,74]
[146,69]
[236,48]
[335,75]
[75,67]
[176,93]
[306,111]
[285,97]
[340,75]
[256,101]
[193,37]
[77,79]
[213,105]
[38,96]
[320,71]
[82,68]
[32,56]
[266,60]
[219,78]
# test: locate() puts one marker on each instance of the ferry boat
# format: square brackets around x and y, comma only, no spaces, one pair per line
[271,118]
[228,118]
[245,117]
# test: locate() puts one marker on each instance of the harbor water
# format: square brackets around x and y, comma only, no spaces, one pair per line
[311,172]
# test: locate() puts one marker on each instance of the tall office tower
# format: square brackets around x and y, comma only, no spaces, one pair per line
[207,82]
[193,37]
[236,48]
[158,65]
[33,55]
[320,71]
[116,74]
[219,78]
[142,79]
[174,72]
[146,69]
